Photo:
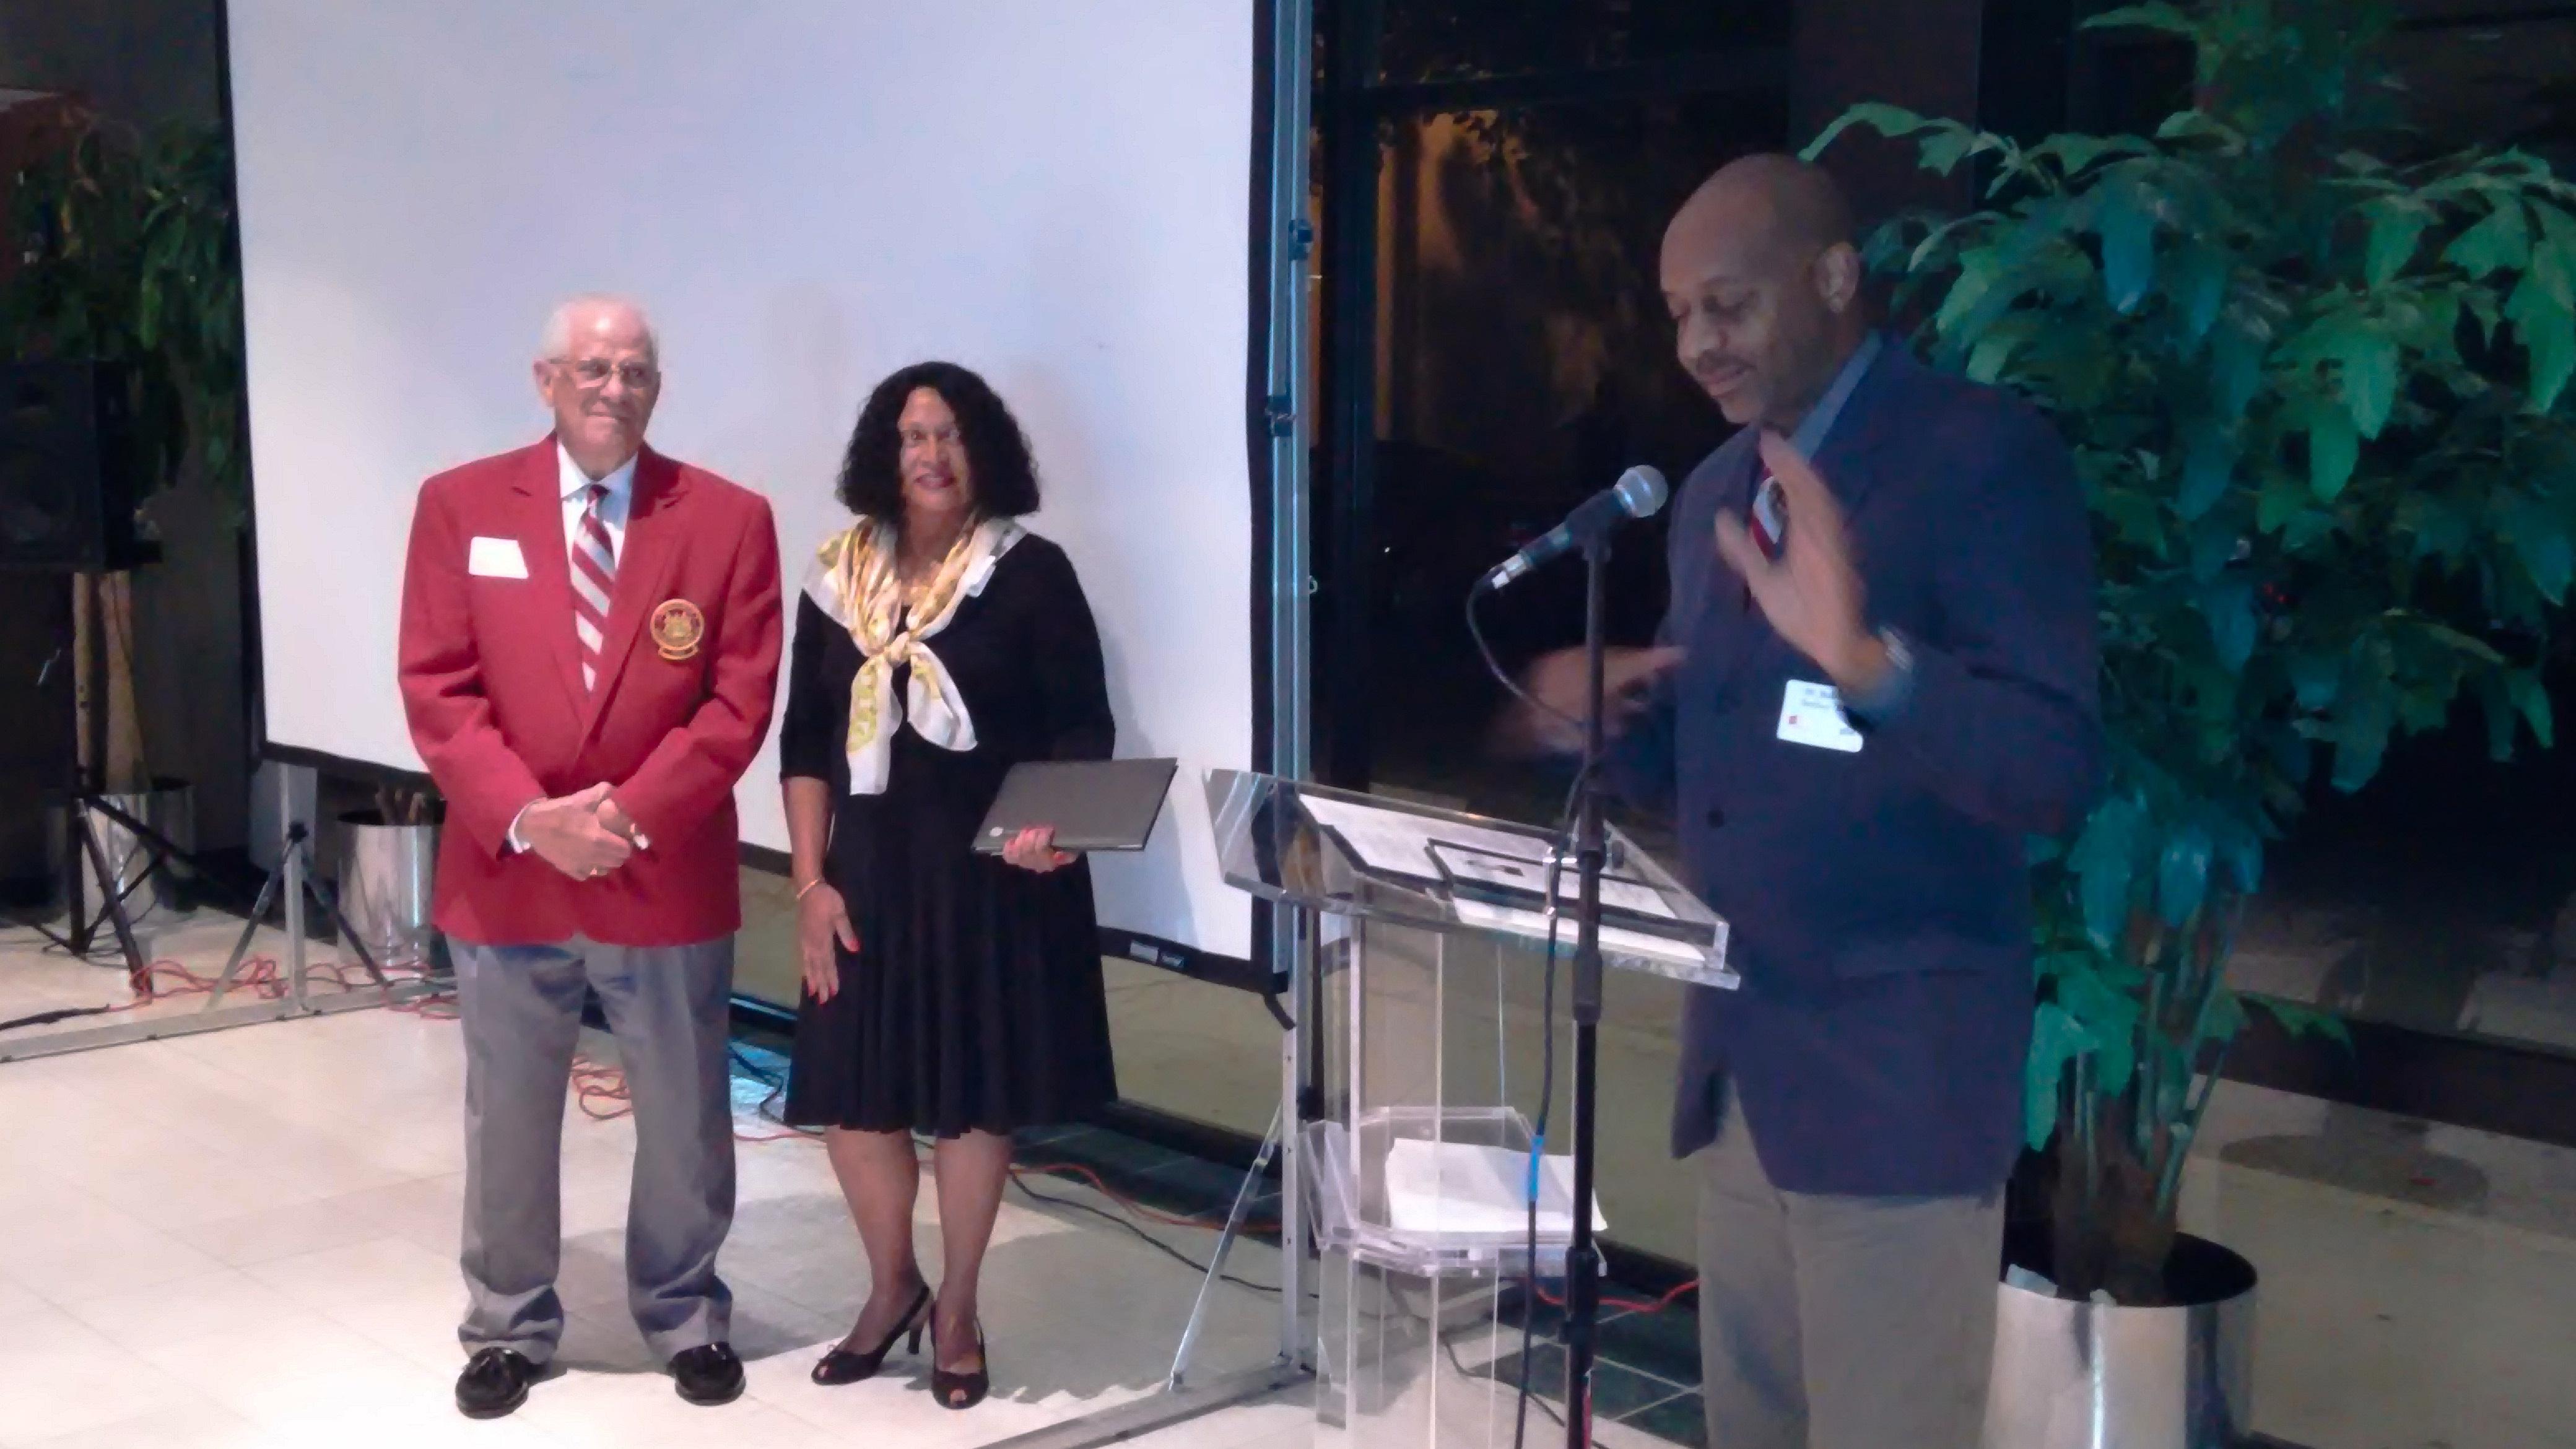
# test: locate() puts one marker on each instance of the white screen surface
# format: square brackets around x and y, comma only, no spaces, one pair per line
[806,195]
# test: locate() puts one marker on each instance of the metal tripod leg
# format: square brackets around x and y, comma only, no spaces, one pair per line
[138,972]
[329,900]
[250,928]
[1224,1246]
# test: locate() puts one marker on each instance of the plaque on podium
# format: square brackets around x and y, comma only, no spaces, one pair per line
[1435,936]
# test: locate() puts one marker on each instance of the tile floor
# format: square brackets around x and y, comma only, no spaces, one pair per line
[246,1238]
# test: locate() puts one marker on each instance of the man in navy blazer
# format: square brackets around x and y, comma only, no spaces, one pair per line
[1875,681]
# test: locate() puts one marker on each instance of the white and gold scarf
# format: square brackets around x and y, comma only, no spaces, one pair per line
[855,581]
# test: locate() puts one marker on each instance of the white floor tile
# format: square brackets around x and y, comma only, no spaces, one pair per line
[641,1411]
[59,1377]
[225,1301]
[93,1252]
[190,1422]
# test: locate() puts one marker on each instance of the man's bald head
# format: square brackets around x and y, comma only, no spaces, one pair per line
[1763,281]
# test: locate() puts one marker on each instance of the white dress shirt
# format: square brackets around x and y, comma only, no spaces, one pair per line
[620,483]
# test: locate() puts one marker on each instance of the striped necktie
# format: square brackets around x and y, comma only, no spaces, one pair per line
[594,581]
[1770,501]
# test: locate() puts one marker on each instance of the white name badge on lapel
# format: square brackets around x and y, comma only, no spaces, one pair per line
[495,558]
[1812,714]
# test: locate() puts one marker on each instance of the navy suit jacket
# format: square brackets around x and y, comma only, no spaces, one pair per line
[1879,901]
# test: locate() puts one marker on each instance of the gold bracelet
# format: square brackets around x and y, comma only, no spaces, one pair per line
[808,888]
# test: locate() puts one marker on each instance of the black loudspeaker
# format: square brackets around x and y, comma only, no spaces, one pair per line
[68,468]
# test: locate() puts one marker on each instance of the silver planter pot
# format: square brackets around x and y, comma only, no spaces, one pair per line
[2073,1375]
[386,873]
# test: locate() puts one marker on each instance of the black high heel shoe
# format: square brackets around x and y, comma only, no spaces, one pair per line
[960,1390]
[846,1365]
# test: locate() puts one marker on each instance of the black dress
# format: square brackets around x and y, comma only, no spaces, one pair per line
[974,1000]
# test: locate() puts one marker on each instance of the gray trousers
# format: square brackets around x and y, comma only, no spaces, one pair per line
[1841,1322]
[521,1010]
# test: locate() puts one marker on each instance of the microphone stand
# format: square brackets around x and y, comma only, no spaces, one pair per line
[1582,1271]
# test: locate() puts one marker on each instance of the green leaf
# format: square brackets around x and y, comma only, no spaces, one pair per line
[2236,370]
[2540,541]
[2209,463]
[2220,1024]
[2481,303]
[2334,448]
[2182,877]
[1887,120]
[2171,19]
[2370,363]
[2281,501]
[2553,258]
[2076,152]
[2108,1017]
[1947,146]
[2241,851]
[2056,1039]
[2547,331]
[1977,274]
[2440,529]
[2200,125]
[2533,700]
[2105,862]
[2361,739]
[2300,1020]
[2452,639]
[1986,360]
[2315,679]
[2396,230]
[2127,224]
[2199,287]
[2502,241]
[2228,606]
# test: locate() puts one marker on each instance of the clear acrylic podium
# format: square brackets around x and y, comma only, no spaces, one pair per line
[1432,946]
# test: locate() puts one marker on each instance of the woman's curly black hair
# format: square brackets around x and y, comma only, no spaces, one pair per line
[999,470]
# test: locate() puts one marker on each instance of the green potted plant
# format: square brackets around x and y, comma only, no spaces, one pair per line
[2317,393]
[123,252]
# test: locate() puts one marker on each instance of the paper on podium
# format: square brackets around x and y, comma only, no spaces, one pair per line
[1462,1187]
[1536,926]
[1392,840]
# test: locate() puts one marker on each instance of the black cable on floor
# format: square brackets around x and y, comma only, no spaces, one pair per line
[48,1018]
[1527,1398]
[1166,1249]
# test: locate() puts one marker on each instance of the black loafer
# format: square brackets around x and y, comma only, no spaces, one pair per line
[708,1375]
[495,1382]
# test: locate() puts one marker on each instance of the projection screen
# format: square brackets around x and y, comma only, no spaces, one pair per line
[806,194]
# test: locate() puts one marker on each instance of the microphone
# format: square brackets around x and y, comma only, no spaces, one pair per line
[1639,493]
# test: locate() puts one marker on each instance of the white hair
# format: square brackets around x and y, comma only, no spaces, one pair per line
[556,342]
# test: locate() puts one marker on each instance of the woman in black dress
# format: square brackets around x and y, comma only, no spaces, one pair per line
[947,993]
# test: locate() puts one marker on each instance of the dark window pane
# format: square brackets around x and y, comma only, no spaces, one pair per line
[1429,40]
[1524,361]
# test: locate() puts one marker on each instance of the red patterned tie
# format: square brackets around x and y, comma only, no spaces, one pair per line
[1757,522]
[594,581]
[1768,503]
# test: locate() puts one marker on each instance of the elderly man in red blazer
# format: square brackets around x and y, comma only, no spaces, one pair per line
[590,638]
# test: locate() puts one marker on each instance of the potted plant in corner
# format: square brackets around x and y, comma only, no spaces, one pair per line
[2317,391]
[123,253]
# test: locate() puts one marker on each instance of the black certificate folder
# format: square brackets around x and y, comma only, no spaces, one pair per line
[1090,804]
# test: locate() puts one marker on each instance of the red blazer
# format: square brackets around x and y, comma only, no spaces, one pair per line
[491,681]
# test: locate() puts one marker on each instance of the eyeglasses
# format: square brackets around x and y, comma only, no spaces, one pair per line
[591,372]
